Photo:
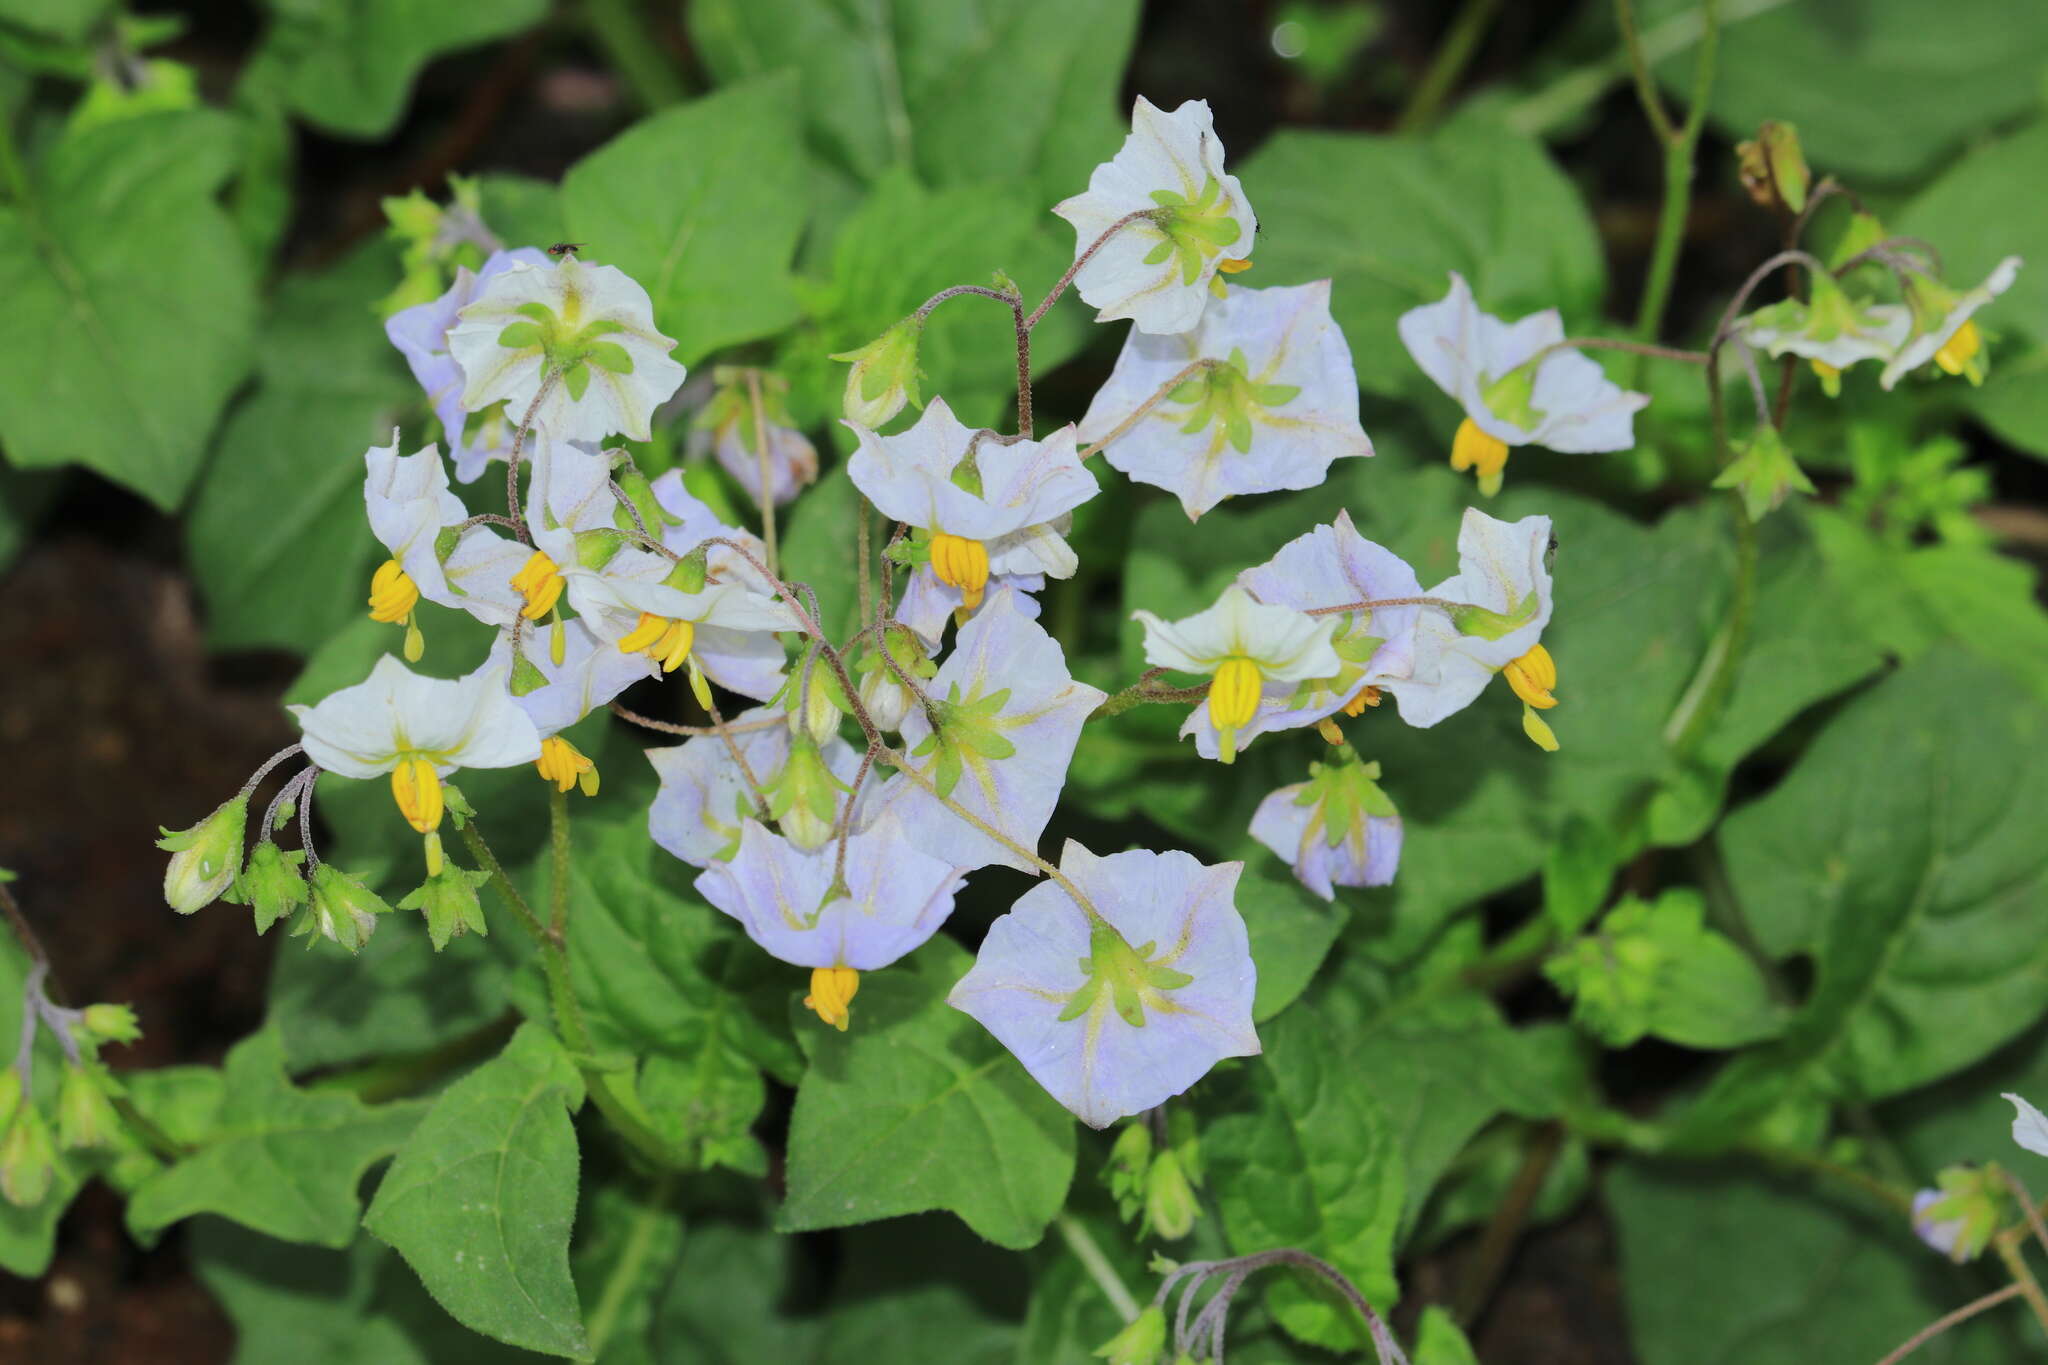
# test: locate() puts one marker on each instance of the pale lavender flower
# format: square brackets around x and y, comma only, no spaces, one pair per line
[1940,1233]
[1281,405]
[1117,1015]
[1503,588]
[1336,829]
[421,335]
[591,673]
[1010,715]
[704,799]
[1328,567]
[408,503]
[2029,1125]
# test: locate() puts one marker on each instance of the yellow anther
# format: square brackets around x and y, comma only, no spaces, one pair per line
[963,564]
[1830,378]
[540,583]
[661,639]
[1234,265]
[832,991]
[558,642]
[564,765]
[1481,452]
[1533,676]
[1234,693]
[1367,696]
[417,789]
[644,633]
[1539,731]
[393,594]
[1960,349]
[1327,728]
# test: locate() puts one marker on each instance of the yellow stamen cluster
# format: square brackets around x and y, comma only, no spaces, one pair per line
[1532,677]
[540,583]
[1481,452]
[832,992]
[661,639]
[1234,265]
[1233,701]
[963,564]
[1367,696]
[564,765]
[417,789]
[1960,349]
[393,594]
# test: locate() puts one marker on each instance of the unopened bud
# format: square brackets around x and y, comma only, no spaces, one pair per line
[884,376]
[640,493]
[271,885]
[1169,1198]
[28,1161]
[85,1114]
[342,909]
[111,1024]
[1774,169]
[204,858]
[1142,1341]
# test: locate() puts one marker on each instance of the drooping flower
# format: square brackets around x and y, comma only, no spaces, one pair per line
[421,335]
[1829,329]
[1336,829]
[1515,389]
[409,504]
[704,799]
[1157,270]
[1243,644]
[1943,330]
[1502,597]
[592,326]
[984,506]
[1331,566]
[1009,715]
[1113,1015]
[892,899]
[1279,404]
[728,427]
[418,730]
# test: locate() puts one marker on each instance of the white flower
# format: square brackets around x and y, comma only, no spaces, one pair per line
[1157,271]
[1282,404]
[1829,328]
[1564,401]
[2029,1126]
[1242,643]
[1944,332]
[593,324]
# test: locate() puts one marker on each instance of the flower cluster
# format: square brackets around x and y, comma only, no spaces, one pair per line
[837,812]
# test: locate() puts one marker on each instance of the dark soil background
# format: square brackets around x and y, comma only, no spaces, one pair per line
[114,718]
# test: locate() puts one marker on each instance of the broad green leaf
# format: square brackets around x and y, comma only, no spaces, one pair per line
[314,1306]
[1822,67]
[1387,219]
[1302,1155]
[702,205]
[277,536]
[705,1095]
[348,65]
[130,303]
[916,1107]
[284,1161]
[480,1201]
[1728,1267]
[1902,855]
[1023,90]
[1291,931]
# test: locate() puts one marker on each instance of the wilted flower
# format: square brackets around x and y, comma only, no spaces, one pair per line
[1502,592]
[421,335]
[1515,388]
[1116,1014]
[1244,644]
[728,425]
[1008,717]
[1279,405]
[892,899]
[1157,270]
[591,326]
[1336,829]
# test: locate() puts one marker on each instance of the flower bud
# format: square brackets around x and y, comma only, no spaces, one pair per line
[1774,168]
[27,1160]
[85,1114]
[1959,1219]
[271,884]
[111,1024]
[1764,473]
[1169,1198]
[1142,1341]
[887,700]
[804,799]
[342,909]
[640,493]
[884,375]
[204,858]
[1129,1160]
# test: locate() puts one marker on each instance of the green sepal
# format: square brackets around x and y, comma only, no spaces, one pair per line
[449,901]
[271,884]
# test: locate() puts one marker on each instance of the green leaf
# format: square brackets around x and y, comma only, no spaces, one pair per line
[355,1307]
[1291,932]
[480,1201]
[1902,855]
[277,536]
[1438,1340]
[702,204]
[1387,218]
[706,1100]
[64,18]
[347,66]
[1304,1156]
[1721,1266]
[1024,90]
[916,1107]
[1822,67]
[130,303]
[284,1161]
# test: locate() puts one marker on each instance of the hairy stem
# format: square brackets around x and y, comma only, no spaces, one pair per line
[1951,1320]
[558,864]
[1159,396]
[1060,286]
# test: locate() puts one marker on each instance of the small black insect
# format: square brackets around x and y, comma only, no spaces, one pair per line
[560,249]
